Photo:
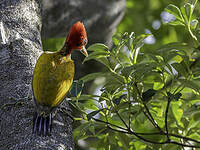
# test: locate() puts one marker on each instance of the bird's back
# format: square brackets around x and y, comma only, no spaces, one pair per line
[52,78]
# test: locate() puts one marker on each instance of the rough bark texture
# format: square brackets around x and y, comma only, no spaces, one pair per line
[20,47]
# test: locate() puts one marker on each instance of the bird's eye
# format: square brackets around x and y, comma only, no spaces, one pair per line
[85,41]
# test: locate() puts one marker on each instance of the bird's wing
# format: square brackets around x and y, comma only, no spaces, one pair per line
[52,78]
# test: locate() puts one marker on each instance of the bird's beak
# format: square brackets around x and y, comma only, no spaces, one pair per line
[84,51]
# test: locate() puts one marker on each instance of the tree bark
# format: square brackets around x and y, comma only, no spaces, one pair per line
[20,26]
[20,47]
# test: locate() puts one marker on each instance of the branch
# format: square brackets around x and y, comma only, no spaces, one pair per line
[123,130]
[166,115]
[122,120]
[150,117]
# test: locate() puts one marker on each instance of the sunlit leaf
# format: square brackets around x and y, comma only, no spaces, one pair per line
[176,22]
[189,10]
[194,23]
[98,47]
[174,10]
[191,84]
[178,112]
[96,55]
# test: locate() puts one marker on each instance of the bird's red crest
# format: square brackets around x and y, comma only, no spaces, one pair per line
[77,36]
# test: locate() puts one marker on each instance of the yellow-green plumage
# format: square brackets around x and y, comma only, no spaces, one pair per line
[52,78]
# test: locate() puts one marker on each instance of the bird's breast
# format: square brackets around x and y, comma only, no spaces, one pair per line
[52,78]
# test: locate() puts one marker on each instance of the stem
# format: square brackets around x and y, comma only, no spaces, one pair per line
[108,123]
[122,120]
[129,106]
[147,110]
[192,35]
[123,130]
[166,115]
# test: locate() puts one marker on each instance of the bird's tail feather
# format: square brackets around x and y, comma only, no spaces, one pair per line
[41,124]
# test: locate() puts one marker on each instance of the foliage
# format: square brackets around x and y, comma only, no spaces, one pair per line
[150,98]
[150,16]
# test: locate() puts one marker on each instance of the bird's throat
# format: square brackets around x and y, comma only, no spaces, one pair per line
[66,50]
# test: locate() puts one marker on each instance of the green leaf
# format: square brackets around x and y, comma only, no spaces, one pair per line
[177,112]
[98,47]
[117,39]
[115,78]
[89,105]
[76,88]
[92,76]
[128,70]
[93,113]
[195,136]
[139,145]
[121,105]
[117,100]
[92,129]
[96,55]
[147,95]
[194,23]
[187,11]
[139,42]
[124,59]
[170,147]
[85,97]
[174,10]
[191,84]
[104,61]
[172,46]
[80,131]
[180,69]
[124,139]
[138,71]
[176,23]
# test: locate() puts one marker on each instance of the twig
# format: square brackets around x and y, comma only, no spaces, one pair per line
[183,137]
[147,110]
[129,106]
[108,123]
[147,140]
[122,120]
[166,116]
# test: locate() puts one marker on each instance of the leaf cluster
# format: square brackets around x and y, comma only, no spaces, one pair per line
[149,99]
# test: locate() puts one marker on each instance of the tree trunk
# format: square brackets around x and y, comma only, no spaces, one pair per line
[20,26]
[20,47]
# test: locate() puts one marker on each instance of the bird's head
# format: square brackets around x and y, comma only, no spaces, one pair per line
[77,38]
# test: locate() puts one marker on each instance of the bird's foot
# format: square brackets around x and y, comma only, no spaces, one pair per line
[42,125]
